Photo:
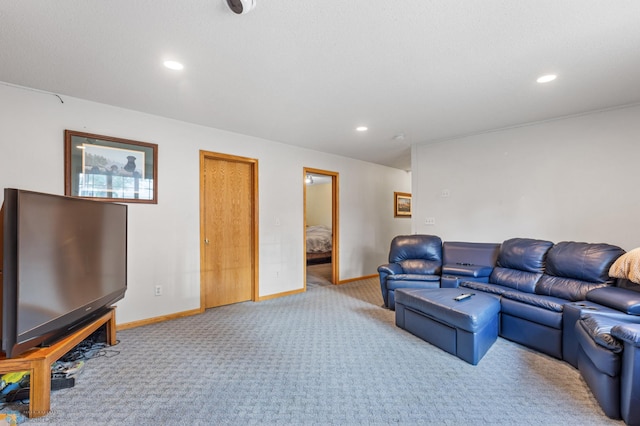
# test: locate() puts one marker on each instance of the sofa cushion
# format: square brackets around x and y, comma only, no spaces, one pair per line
[515,279]
[427,247]
[420,266]
[531,314]
[485,287]
[573,269]
[524,254]
[565,288]
[549,303]
[466,270]
[582,261]
[627,301]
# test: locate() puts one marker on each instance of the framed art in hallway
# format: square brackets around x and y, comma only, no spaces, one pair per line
[402,204]
[110,169]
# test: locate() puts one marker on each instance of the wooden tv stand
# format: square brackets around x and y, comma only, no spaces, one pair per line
[38,362]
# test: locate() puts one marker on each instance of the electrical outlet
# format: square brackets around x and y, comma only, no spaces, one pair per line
[430,221]
[158,290]
[445,193]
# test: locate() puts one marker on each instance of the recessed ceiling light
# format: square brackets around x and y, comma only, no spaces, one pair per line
[173,65]
[362,128]
[546,78]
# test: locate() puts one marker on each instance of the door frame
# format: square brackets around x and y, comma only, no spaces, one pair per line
[254,220]
[335,222]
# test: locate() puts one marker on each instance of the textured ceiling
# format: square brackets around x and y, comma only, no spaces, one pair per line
[307,73]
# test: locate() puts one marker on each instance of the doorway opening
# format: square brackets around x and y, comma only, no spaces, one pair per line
[321,230]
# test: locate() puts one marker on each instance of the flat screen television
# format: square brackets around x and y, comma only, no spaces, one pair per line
[64,262]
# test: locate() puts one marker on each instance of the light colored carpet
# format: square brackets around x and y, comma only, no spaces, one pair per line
[319,274]
[330,356]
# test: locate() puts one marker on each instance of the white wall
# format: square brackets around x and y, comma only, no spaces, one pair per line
[572,179]
[164,238]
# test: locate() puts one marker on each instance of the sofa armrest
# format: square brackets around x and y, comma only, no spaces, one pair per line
[467,270]
[599,327]
[629,333]
[390,269]
[627,301]
[383,272]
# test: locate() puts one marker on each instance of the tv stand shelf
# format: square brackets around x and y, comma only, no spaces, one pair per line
[38,361]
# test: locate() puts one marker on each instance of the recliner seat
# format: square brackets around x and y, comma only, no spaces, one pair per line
[603,337]
[415,261]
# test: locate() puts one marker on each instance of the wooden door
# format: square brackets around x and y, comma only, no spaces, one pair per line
[228,249]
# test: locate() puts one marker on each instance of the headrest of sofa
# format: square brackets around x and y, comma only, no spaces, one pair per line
[582,261]
[524,254]
[426,247]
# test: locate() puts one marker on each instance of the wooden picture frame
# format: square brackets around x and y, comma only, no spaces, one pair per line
[402,204]
[110,169]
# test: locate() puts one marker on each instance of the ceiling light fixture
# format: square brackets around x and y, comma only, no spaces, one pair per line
[546,78]
[362,128]
[173,65]
[241,7]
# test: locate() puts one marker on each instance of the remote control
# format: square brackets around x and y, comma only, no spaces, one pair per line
[463,296]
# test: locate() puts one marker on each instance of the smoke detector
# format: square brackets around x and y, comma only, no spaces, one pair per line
[241,7]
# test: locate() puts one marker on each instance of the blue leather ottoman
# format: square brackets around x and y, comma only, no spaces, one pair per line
[464,328]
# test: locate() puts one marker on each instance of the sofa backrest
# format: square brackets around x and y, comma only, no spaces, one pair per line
[417,254]
[520,264]
[454,252]
[573,269]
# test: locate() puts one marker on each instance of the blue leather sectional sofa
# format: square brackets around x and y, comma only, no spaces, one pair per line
[424,261]
[555,298]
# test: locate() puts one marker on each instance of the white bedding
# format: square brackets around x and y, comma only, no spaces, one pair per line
[318,239]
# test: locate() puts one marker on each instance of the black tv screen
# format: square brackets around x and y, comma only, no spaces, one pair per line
[64,263]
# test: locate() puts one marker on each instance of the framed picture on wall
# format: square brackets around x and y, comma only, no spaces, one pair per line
[110,169]
[402,204]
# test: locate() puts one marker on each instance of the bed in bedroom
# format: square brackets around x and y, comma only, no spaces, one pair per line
[319,244]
